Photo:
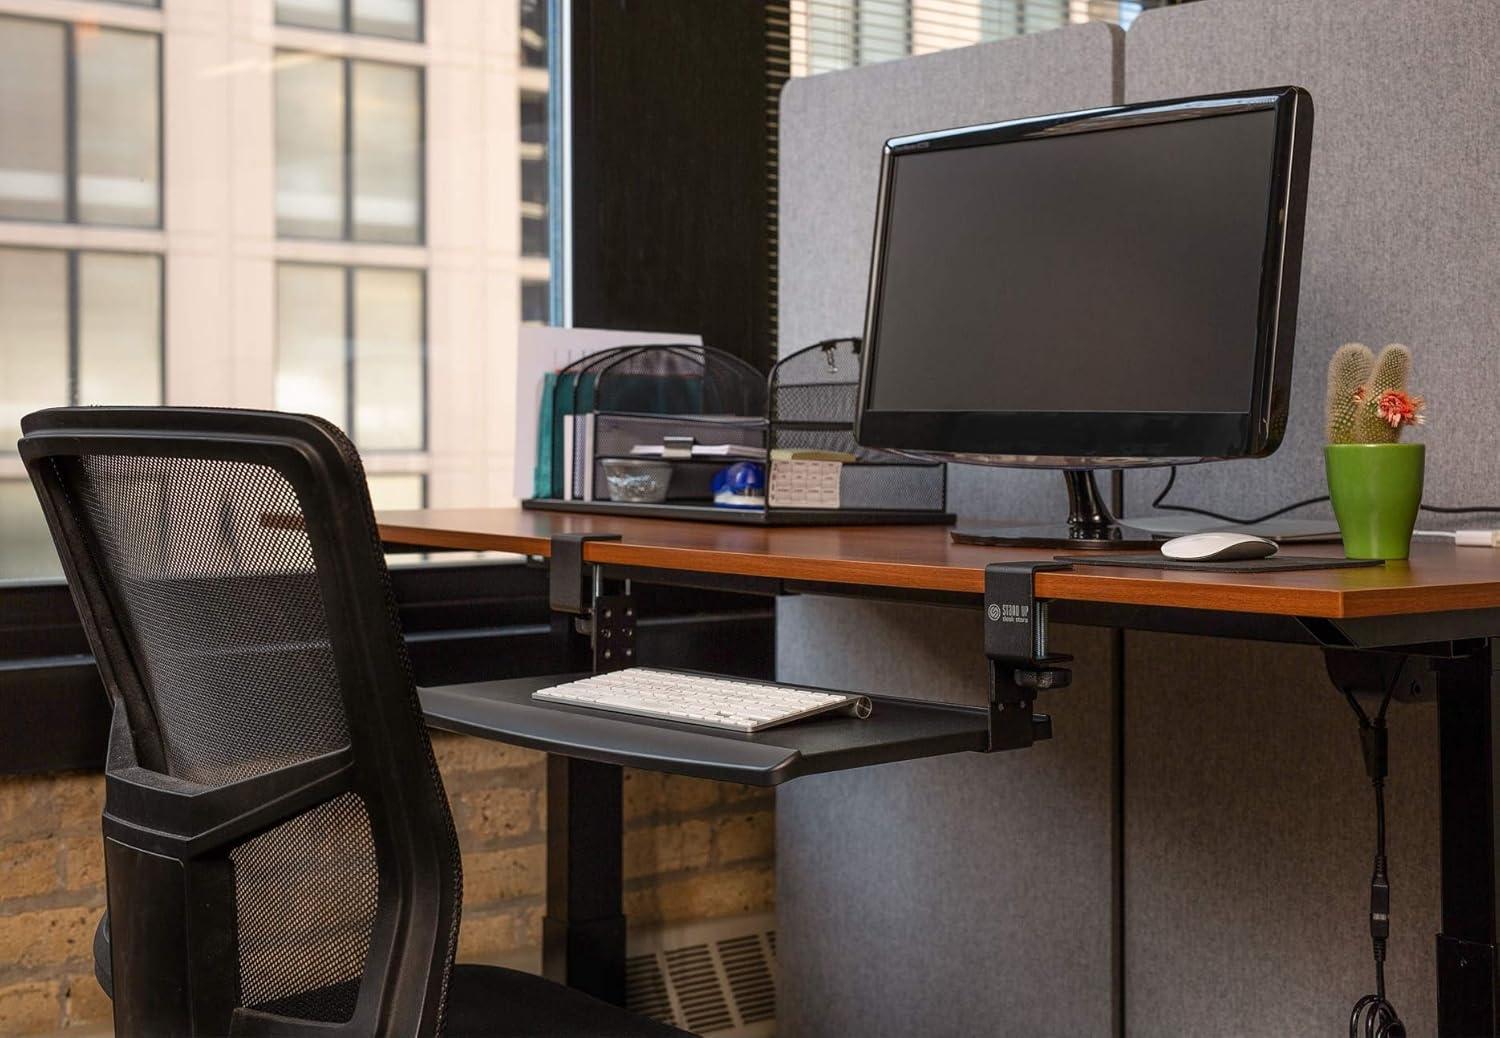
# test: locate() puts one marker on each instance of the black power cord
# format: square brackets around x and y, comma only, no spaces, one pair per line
[1172,479]
[1160,500]
[1373,1016]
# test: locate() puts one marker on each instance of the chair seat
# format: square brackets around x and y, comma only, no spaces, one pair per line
[492,1002]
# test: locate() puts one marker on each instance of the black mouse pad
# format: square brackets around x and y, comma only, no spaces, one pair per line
[1156,560]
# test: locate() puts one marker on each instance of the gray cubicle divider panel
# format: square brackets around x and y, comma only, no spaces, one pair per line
[1403,203]
[832,130]
[1264,934]
[1249,835]
[963,895]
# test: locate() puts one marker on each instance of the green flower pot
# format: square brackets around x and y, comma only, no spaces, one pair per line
[1376,489]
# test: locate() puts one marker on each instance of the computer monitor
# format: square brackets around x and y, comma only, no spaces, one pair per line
[1101,289]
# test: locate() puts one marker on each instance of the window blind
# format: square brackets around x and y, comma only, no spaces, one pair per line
[828,35]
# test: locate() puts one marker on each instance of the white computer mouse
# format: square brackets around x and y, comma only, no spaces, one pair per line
[1221,546]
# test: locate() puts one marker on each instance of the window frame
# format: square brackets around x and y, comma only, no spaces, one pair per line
[351,354]
[73,314]
[346,124]
[346,23]
[70,118]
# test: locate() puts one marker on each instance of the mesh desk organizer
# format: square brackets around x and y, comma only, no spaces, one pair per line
[609,402]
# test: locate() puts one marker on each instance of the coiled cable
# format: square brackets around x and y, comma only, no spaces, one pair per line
[1374,1016]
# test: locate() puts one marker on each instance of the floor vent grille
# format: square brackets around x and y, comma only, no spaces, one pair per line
[647,988]
[716,978]
[748,967]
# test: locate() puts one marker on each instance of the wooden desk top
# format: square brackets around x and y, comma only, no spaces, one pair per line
[1438,577]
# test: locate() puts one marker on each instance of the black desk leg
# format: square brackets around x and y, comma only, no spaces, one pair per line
[583,934]
[583,938]
[1466,960]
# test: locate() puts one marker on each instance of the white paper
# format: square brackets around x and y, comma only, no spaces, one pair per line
[542,348]
[703,450]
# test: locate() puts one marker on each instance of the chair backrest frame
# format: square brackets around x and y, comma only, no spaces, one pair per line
[174,951]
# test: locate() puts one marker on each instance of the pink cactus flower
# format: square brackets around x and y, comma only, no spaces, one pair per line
[1397,408]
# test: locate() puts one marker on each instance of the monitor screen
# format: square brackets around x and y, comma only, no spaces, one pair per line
[1127,269]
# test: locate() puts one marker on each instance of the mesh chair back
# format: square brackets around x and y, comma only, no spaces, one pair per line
[228,571]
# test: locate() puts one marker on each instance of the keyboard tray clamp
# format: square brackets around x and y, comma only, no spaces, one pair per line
[1021,664]
[570,584]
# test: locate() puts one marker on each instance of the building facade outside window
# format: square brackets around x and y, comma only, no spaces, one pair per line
[317,205]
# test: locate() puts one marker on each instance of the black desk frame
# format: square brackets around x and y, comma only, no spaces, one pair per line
[1450,657]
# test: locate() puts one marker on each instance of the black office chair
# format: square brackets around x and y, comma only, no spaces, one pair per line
[279,852]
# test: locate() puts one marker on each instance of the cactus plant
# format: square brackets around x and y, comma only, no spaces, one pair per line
[1368,400]
[1348,370]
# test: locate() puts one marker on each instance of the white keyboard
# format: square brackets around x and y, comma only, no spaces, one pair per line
[740,706]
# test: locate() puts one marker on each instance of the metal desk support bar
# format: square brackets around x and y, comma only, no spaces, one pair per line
[583,934]
[1468,732]
[1015,640]
[1466,678]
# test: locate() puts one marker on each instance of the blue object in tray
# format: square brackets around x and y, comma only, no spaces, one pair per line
[741,485]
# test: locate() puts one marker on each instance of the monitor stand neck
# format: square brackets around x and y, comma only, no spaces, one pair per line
[1090,525]
[1086,508]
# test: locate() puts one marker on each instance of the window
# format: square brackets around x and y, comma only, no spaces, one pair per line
[118,329]
[104,168]
[96,342]
[77,328]
[351,347]
[398,19]
[536,301]
[536,155]
[827,35]
[348,149]
[397,490]
[283,251]
[534,33]
[534,174]
[27,546]
[33,165]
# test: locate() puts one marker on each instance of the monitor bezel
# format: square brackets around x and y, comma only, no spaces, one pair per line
[1080,439]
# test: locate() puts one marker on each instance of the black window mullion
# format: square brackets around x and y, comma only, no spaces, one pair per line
[351,352]
[421,72]
[426,380]
[161,148]
[71,297]
[70,113]
[348,215]
[161,324]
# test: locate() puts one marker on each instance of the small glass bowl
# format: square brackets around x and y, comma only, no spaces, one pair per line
[637,480]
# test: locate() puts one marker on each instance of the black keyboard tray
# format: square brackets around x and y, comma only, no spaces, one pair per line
[898,729]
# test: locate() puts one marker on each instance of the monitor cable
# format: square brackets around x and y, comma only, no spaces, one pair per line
[1373,1015]
[1160,503]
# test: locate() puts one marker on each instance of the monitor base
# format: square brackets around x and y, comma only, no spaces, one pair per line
[1090,526]
[1058,535]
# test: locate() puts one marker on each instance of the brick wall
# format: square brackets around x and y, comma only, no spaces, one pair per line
[693,850]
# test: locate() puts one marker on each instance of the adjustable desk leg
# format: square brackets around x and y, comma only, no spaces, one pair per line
[1466,948]
[583,934]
